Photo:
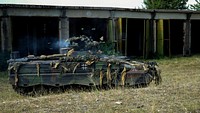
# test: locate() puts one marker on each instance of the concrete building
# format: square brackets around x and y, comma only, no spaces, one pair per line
[40,29]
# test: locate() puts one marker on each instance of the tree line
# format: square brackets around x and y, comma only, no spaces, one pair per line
[171,4]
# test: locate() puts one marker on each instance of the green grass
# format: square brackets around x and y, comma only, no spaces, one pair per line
[6,91]
[178,93]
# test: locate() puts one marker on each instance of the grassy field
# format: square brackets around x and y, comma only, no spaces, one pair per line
[178,93]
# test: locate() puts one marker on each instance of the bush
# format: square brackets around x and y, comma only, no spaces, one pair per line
[108,48]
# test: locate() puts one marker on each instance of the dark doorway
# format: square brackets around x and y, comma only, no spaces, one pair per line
[176,37]
[135,35]
[90,27]
[35,35]
[195,38]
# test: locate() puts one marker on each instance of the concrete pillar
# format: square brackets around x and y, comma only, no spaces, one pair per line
[110,31]
[6,34]
[114,29]
[154,36]
[63,31]
[119,22]
[169,37]
[146,39]
[149,38]
[160,37]
[126,37]
[187,38]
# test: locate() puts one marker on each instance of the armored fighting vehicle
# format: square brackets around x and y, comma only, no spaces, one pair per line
[86,67]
